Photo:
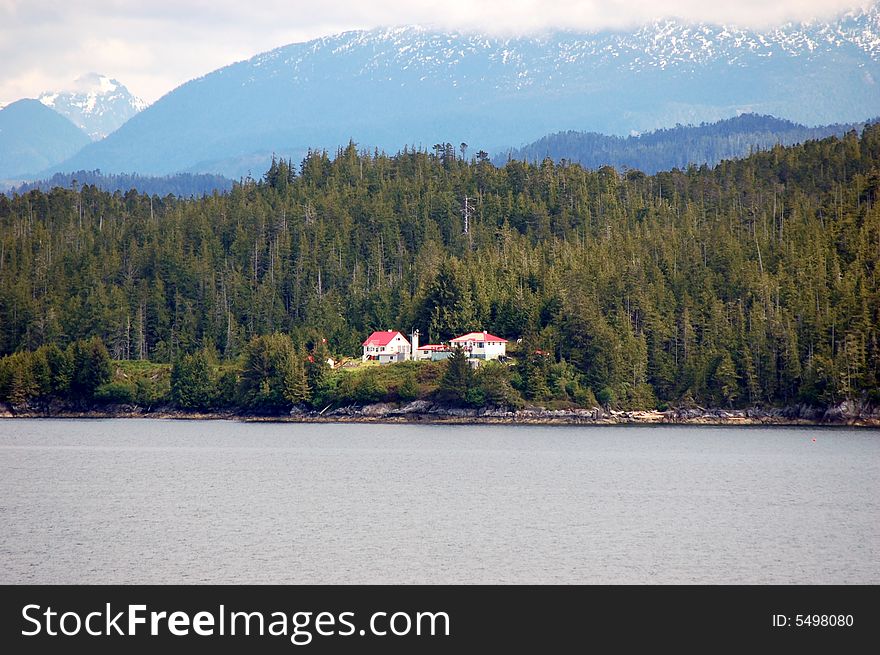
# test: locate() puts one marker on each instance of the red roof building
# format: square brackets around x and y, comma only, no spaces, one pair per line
[381,338]
[477,337]
[481,345]
[386,346]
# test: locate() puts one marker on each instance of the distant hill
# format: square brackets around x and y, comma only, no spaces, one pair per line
[33,137]
[184,185]
[392,87]
[677,147]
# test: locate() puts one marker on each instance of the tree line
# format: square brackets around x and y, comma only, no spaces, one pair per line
[272,376]
[753,282]
[179,184]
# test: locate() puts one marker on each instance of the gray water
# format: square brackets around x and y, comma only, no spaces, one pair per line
[147,501]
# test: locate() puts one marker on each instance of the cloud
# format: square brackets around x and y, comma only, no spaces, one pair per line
[152,47]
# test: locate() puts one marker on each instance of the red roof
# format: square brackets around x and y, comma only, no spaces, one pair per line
[381,338]
[433,346]
[477,336]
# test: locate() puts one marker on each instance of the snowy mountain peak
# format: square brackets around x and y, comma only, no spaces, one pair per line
[407,55]
[96,103]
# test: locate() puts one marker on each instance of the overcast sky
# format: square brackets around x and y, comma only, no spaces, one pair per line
[153,46]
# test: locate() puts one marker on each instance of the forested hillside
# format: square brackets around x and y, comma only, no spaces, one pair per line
[755,282]
[676,147]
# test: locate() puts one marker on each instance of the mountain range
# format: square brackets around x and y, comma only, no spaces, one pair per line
[392,87]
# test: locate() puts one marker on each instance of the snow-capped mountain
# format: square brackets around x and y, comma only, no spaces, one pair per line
[411,85]
[528,61]
[97,104]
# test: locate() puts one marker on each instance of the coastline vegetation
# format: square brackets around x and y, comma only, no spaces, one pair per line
[271,377]
[752,283]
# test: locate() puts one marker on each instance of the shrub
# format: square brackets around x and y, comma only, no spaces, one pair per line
[117,392]
[607,397]
[409,389]
[493,381]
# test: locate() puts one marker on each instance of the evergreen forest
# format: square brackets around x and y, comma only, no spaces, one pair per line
[753,283]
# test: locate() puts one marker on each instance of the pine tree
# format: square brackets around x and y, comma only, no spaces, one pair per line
[60,369]
[458,378]
[725,380]
[297,388]
[91,367]
[273,376]
[191,382]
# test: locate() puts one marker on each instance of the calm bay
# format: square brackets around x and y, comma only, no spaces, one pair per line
[158,501]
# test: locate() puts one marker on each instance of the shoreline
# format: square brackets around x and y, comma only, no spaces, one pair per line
[781,417]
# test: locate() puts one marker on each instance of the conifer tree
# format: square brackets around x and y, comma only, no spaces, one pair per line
[191,381]
[458,378]
[297,388]
[91,367]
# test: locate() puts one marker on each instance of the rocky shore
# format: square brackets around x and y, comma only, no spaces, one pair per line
[424,411]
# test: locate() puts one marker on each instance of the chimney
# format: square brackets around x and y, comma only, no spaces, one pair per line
[414,339]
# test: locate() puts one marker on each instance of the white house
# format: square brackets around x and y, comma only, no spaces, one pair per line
[481,345]
[386,347]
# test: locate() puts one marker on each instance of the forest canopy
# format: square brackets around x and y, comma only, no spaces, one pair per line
[753,282]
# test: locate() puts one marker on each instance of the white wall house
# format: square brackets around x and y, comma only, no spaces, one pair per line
[386,347]
[481,345]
